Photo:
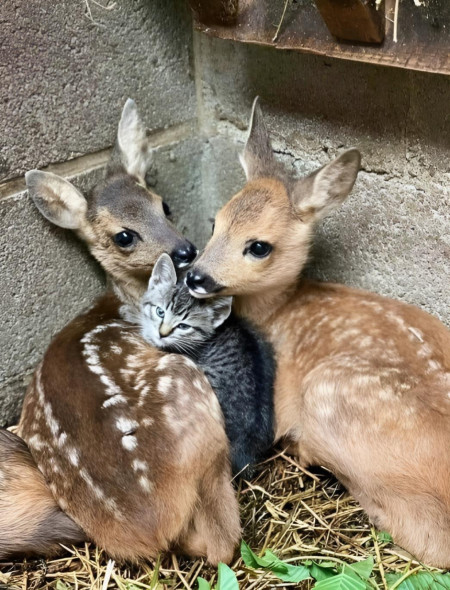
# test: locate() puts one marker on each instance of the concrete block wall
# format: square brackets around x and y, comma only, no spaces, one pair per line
[392,236]
[67,69]
[71,65]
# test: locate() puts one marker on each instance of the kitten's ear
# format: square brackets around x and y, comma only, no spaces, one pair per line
[221,309]
[164,275]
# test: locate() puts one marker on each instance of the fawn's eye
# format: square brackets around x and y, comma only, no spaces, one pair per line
[259,249]
[125,238]
[183,326]
[160,312]
[166,209]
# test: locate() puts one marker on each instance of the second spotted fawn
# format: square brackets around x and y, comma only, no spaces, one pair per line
[126,444]
[363,382]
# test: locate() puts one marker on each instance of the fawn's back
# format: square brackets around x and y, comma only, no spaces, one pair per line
[363,382]
[130,441]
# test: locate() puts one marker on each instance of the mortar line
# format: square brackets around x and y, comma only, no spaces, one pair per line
[93,161]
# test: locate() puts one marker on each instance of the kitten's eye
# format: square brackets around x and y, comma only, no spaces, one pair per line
[183,326]
[166,209]
[259,249]
[125,238]
[213,227]
[160,312]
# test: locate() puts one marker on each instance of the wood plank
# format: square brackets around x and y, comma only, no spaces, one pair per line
[423,33]
[354,20]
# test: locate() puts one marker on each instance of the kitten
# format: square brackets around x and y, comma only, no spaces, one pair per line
[235,358]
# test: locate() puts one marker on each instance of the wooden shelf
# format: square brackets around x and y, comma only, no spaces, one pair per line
[423,37]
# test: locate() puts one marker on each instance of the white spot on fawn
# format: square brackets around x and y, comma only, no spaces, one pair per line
[126,425]
[73,456]
[164,384]
[91,354]
[143,394]
[147,421]
[145,483]
[114,400]
[139,465]
[36,442]
[129,442]
[163,363]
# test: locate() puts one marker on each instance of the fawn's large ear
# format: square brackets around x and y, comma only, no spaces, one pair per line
[132,142]
[221,309]
[164,276]
[327,188]
[257,159]
[57,199]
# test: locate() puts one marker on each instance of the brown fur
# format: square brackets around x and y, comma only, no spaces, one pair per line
[363,382]
[30,519]
[129,439]
[180,452]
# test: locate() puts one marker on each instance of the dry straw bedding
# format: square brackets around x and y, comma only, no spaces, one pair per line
[297,514]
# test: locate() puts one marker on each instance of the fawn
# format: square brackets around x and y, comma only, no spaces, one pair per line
[129,439]
[363,382]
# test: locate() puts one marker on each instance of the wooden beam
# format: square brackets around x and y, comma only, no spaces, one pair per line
[423,32]
[353,20]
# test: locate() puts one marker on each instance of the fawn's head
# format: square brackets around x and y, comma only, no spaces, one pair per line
[123,223]
[261,237]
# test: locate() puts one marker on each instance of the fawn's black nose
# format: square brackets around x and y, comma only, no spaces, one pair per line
[194,279]
[184,255]
[201,284]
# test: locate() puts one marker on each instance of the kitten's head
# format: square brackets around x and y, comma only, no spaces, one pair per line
[174,320]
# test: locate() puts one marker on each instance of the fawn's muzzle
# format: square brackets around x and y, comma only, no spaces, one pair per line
[184,255]
[201,284]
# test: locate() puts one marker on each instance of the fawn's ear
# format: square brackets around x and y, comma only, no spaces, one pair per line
[327,188]
[257,159]
[163,276]
[132,142]
[220,309]
[57,199]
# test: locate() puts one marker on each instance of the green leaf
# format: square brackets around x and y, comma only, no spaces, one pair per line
[226,579]
[203,584]
[320,572]
[269,561]
[61,586]
[362,568]
[341,581]
[420,581]
[384,537]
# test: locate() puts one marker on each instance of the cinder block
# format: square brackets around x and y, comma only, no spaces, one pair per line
[315,104]
[393,235]
[66,74]
[48,277]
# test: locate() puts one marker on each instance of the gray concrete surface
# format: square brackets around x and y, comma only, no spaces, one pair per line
[48,277]
[66,74]
[393,234]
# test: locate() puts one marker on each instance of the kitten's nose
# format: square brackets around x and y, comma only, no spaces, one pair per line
[184,255]
[164,331]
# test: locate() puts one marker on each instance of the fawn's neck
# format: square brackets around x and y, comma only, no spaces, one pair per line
[260,308]
[129,293]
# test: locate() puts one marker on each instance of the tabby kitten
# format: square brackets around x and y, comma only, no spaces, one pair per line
[237,361]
